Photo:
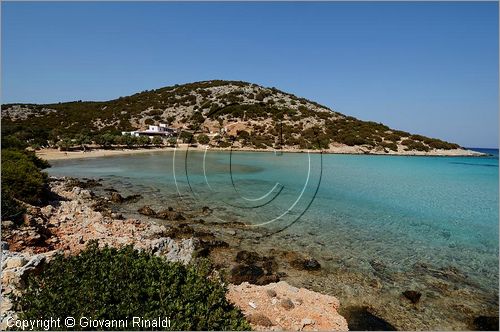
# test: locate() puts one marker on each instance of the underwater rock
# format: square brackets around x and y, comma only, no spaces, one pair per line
[245,273]
[248,257]
[116,197]
[147,211]
[412,295]
[486,323]
[361,318]
[170,215]
[308,264]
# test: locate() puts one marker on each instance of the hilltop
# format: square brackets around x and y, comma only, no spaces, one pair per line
[220,113]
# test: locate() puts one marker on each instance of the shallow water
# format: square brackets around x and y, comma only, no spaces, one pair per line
[391,220]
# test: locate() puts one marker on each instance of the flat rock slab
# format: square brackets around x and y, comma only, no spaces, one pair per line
[311,310]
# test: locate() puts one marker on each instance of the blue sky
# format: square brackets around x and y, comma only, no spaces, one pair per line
[428,68]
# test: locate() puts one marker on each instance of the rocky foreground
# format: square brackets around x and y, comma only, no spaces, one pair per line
[77,216]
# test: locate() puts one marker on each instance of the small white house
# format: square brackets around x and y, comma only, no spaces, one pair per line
[161,130]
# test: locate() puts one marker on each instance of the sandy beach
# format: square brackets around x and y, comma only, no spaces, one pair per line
[55,154]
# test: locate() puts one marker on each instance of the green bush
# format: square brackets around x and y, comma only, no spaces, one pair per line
[123,283]
[22,177]
[157,140]
[203,139]
[172,141]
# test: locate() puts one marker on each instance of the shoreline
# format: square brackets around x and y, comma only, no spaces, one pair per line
[93,209]
[55,154]
[80,215]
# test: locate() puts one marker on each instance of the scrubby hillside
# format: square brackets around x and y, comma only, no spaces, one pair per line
[228,112]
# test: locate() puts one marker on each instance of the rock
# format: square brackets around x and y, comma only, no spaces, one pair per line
[249,273]
[206,210]
[259,319]
[15,262]
[160,245]
[361,318]
[287,304]
[267,279]
[318,311]
[308,264]
[252,304]
[5,245]
[271,293]
[180,251]
[118,216]
[116,197]
[147,211]
[47,210]
[307,321]
[11,277]
[132,198]
[6,305]
[170,215]
[486,323]
[412,295]
[7,224]
[248,257]
[34,262]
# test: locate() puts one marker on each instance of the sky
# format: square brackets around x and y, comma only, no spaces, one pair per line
[429,68]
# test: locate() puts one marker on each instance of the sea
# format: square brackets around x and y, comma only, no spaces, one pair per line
[379,225]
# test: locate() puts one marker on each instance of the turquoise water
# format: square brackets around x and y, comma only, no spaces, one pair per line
[398,210]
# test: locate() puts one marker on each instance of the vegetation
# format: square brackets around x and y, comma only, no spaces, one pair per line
[192,105]
[22,180]
[203,139]
[119,284]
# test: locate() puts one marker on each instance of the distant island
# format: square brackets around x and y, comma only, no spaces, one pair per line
[220,114]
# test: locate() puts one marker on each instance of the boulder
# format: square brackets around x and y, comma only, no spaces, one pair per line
[308,264]
[132,198]
[116,197]
[259,319]
[287,304]
[15,262]
[147,211]
[170,215]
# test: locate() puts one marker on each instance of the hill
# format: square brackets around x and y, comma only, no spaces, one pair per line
[222,113]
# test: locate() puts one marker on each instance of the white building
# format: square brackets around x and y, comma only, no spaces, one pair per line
[161,130]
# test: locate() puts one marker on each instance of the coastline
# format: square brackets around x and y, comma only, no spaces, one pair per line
[55,154]
[81,213]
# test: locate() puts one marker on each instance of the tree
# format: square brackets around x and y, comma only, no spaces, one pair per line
[186,137]
[203,139]
[172,141]
[65,144]
[157,140]
[143,141]
[22,179]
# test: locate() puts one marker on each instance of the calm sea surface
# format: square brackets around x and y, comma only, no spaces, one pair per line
[394,210]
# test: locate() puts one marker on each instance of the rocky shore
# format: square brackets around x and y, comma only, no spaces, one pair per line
[76,216]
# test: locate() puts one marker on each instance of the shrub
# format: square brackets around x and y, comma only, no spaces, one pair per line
[203,139]
[22,177]
[65,144]
[157,140]
[186,137]
[172,141]
[123,283]
[390,145]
